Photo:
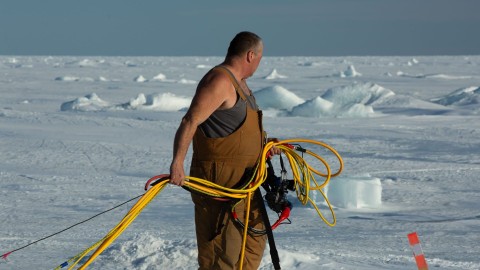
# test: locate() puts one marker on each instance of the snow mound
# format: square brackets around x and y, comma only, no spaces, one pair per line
[446,77]
[412,62]
[186,81]
[134,103]
[129,64]
[310,64]
[277,97]
[354,100]
[201,66]
[160,77]
[350,73]
[355,192]
[274,75]
[461,97]
[409,105]
[12,60]
[157,102]
[434,76]
[357,93]
[316,107]
[80,79]
[147,252]
[89,102]
[86,63]
[68,79]
[140,78]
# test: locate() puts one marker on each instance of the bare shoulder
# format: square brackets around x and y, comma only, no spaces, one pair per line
[216,85]
[214,80]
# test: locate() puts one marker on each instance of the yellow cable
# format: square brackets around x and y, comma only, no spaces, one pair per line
[131,215]
[245,230]
[303,175]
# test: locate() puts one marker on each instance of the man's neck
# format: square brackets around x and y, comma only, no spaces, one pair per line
[236,67]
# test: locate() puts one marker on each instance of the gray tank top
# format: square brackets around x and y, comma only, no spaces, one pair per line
[224,122]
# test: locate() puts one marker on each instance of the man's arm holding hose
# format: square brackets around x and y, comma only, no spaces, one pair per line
[182,140]
[210,96]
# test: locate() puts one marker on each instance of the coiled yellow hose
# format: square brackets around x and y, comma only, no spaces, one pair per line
[303,174]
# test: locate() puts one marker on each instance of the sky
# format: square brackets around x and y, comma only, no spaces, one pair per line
[204,28]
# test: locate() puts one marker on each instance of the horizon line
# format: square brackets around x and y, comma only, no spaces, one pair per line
[340,55]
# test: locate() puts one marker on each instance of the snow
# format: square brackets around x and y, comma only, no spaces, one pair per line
[274,75]
[350,72]
[139,78]
[74,144]
[160,77]
[89,102]
[277,97]
[157,102]
[463,96]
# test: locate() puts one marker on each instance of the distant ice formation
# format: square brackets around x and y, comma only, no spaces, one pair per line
[355,192]
[412,62]
[310,64]
[274,75]
[463,96]
[89,102]
[139,78]
[155,102]
[159,77]
[203,66]
[316,107]
[86,63]
[435,76]
[277,97]
[80,79]
[354,100]
[163,78]
[349,73]
[186,81]
[361,93]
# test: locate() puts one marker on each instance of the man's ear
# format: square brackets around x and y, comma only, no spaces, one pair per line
[250,56]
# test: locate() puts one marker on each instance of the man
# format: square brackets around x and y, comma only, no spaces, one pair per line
[225,125]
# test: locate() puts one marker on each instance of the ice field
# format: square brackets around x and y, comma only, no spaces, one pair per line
[79,135]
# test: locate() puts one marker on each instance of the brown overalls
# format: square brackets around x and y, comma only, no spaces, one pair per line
[225,161]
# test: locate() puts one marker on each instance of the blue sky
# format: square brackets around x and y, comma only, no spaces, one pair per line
[205,27]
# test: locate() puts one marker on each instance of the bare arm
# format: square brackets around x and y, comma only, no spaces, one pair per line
[215,91]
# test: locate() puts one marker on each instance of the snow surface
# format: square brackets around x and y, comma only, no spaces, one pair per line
[79,135]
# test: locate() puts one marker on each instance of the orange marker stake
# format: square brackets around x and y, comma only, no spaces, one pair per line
[417,251]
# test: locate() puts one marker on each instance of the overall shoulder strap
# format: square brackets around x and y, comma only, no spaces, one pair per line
[233,80]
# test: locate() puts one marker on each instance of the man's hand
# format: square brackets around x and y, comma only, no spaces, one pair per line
[274,150]
[177,174]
